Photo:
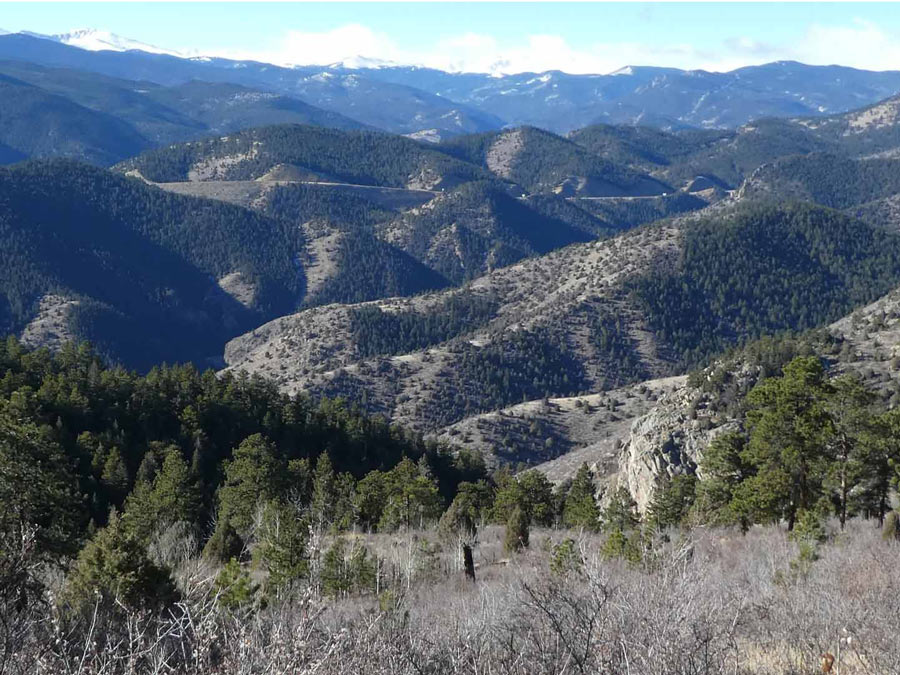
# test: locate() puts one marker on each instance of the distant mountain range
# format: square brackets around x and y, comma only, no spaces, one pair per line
[524,291]
[434,104]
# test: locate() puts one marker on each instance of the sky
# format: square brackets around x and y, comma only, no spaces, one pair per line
[504,37]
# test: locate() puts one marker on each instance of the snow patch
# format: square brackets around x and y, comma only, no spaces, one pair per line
[95,40]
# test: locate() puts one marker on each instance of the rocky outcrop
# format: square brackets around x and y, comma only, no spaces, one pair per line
[667,441]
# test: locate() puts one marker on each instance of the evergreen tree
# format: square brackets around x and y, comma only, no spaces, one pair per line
[620,515]
[282,544]
[848,407]
[537,497]
[723,470]
[254,474]
[580,506]
[233,587]
[172,497]
[324,492]
[789,431]
[114,567]
[37,489]
[516,531]
[672,501]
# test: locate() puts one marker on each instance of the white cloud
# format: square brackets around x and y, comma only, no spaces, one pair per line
[862,44]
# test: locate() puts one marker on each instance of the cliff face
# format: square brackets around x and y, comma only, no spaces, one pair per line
[667,441]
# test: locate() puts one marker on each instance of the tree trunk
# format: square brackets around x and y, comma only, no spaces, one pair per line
[468,562]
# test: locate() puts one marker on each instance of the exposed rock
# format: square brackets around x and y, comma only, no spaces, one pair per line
[50,327]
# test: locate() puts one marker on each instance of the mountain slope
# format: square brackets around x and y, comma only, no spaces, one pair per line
[543,162]
[301,152]
[146,275]
[393,107]
[168,114]
[479,226]
[35,123]
[829,180]
[582,319]
[665,97]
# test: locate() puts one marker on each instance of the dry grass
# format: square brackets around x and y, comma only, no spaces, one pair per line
[711,601]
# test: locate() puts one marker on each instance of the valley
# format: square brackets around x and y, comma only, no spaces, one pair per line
[350,366]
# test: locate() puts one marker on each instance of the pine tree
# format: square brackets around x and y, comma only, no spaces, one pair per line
[172,497]
[233,587]
[282,544]
[620,515]
[255,474]
[516,531]
[789,432]
[672,502]
[38,489]
[114,566]
[324,491]
[580,508]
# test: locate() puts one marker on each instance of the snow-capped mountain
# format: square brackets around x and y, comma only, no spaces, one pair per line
[409,99]
[102,40]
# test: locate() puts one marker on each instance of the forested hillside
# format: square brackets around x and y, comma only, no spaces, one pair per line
[137,267]
[541,161]
[765,270]
[181,497]
[584,319]
[363,157]
[36,123]
[830,180]
[480,226]
[60,112]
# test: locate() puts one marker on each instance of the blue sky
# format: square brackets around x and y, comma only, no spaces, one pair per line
[502,37]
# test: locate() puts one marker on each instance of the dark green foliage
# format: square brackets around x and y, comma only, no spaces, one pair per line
[346,212]
[789,427]
[412,498]
[644,146]
[516,366]
[764,270]
[723,469]
[233,587]
[545,160]
[673,501]
[566,558]
[620,515]
[813,446]
[726,157]
[282,544]
[580,508]
[831,180]
[134,256]
[530,491]
[170,497]
[376,332]
[87,409]
[369,269]
[346,572]
[256,473]
[37,123]
[225,544]
[114,566]
[480,226]
[627,213]
[362,157]
[470,508]
[37,486]
[516,530]
[610,337]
